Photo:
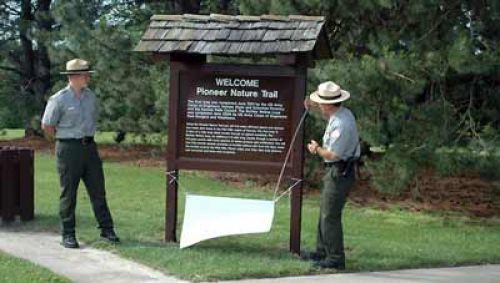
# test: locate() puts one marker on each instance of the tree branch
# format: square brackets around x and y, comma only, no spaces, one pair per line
[403,77]
[14,57]
[435,26]
[10,69]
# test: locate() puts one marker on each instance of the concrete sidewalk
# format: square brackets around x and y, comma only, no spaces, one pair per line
[79,265]
[468,274]
[91,265]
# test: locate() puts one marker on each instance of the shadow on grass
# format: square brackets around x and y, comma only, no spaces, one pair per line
[230,247]
[221,247]
[133,244]
[41,223]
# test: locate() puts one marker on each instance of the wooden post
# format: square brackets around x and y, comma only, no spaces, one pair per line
[176,62]
[172,172]
[7,186]
[300,63]
[171,209]
[26,184]
[297,161]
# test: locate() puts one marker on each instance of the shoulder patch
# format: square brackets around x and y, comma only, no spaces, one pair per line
[335,134]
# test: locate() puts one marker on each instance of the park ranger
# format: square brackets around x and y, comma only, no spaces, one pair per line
[70,117]
[339,149]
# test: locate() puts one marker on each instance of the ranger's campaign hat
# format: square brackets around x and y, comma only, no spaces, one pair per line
[329,93]
[77,66]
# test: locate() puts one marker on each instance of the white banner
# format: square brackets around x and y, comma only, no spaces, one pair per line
[211,217]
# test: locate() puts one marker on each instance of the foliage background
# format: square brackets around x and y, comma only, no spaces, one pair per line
[424,74]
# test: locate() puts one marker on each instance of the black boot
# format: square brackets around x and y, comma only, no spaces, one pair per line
[312,256]
[69,241]
[110,235]
[327,263]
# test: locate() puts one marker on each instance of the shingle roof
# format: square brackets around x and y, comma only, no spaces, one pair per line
[235,35]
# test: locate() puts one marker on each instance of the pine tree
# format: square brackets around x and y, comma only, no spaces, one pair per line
[423,74]
[24,39]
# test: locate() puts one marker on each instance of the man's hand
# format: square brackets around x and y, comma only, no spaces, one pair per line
[50,131]
[313,146]
[308,103]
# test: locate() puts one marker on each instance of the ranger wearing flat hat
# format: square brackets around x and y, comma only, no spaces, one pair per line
[339,148]
[70,117]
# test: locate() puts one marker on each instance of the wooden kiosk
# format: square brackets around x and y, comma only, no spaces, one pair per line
[235,117]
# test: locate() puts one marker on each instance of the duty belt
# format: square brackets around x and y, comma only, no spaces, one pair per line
[84,140]
[343,167]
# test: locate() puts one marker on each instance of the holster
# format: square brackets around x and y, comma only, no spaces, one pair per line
[347,166]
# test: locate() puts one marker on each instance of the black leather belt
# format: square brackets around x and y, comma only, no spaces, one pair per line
[84,140]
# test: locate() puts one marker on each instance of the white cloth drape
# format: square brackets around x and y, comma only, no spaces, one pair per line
[211,217]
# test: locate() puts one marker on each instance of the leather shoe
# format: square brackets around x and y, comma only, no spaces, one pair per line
[329,264]
[110,235]
[69,241]
[314,256]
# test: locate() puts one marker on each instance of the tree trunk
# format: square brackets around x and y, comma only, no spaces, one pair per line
[187,6]
[35,63]
[224,6]
[43,81]
[27,56]
[27,66]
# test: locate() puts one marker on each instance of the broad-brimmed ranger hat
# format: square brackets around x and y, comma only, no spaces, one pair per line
[329,93]
[77,66]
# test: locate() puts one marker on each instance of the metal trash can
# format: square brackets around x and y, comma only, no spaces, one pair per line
[16,183]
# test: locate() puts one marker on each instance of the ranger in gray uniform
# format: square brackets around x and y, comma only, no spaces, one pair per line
[340,148]
[70,117]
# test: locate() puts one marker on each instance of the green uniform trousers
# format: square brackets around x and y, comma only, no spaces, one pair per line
[330,238]
[77,161]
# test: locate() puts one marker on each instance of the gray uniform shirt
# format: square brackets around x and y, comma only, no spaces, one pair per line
[73,117]
[341,135]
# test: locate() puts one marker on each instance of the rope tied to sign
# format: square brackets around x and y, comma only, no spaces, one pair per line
[287,157]
[287,191]
[173,178]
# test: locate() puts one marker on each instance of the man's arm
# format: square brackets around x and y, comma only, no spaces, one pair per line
[50,131]
[314,148]
[50,119]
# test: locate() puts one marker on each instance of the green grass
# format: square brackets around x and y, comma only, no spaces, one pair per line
[375,240]
[10,134]
[15,270]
